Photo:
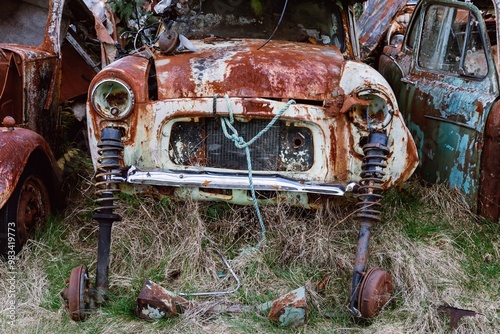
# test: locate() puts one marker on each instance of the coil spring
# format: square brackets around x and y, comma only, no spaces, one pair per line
[110,149]
[371,177]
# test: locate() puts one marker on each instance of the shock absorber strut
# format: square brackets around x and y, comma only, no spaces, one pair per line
[111,153]
[368,213]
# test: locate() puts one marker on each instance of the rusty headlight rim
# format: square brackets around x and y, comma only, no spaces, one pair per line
[112,99]
[380,108]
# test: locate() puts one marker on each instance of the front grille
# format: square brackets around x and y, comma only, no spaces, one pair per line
[222,153]
[283,147]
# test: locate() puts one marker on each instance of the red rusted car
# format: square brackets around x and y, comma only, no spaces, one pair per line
[445,76]
[45,65]
[220,108]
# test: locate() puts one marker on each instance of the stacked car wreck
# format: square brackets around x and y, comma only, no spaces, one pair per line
[213,111]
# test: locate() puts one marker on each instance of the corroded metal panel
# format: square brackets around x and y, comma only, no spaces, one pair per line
[489,194]
[238,68]
[76,74]
[17,145]
[290,310]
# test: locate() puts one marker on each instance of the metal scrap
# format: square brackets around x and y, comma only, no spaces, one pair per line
[155,302]
[456,314]
[290,310]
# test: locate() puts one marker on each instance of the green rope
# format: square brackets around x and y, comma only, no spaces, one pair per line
[239,142]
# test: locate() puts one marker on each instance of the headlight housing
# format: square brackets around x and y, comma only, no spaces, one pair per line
[112,99]
[374,114]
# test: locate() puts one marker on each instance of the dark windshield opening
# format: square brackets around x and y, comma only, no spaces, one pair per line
[317,22]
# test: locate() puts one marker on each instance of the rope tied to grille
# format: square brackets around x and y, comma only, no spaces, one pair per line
[231,133]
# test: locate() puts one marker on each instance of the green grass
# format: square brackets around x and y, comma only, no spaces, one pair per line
[438,253]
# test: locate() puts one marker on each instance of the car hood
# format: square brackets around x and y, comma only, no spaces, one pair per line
[282,70]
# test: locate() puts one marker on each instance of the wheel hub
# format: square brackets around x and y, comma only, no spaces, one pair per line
[33,207]
[77,294]
[375,292]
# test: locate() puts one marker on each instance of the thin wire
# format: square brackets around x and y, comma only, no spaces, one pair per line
[275,29]
[239,142]
[216,293]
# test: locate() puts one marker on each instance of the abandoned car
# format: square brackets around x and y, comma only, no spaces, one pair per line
[445,77]
[44,66]
[221,108]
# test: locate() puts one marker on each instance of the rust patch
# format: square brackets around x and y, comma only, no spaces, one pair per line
[17,146]
[237,68]
[489,196]
[411,159]
[341,148]
[256,107]
[295,299]
[155,302]
[456,314]
[351,100]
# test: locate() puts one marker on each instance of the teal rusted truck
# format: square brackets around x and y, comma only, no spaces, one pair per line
[445,75]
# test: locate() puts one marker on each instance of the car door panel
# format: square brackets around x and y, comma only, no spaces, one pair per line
[444,89]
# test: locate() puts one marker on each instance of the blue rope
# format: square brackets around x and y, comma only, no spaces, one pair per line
[239,142]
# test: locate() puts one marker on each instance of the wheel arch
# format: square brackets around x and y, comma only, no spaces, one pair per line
[24,151]
[39,163]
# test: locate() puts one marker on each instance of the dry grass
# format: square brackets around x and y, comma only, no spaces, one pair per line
[424,242]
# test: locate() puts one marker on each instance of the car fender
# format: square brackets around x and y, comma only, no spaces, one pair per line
[404,157]
[23,148]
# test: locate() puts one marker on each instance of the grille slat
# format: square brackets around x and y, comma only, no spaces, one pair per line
[222,153]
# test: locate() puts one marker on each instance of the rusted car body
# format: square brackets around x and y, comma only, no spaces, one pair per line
[383,23]
[43,65]
[297,119]
[445,76]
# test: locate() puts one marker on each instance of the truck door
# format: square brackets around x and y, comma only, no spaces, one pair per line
[448,90]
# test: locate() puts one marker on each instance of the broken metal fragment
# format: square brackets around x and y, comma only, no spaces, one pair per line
[155,302]
[455,314]
[289,310]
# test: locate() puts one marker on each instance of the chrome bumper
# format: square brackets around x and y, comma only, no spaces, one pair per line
[232,181]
